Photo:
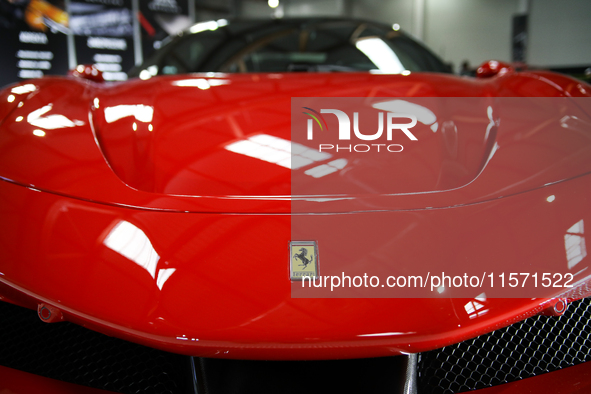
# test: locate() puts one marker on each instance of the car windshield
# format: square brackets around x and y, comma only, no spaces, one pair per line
[290,45]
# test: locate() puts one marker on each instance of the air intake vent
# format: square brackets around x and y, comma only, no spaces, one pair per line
[68,352]
[534,346]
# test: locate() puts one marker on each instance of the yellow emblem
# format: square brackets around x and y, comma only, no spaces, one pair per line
[303,259]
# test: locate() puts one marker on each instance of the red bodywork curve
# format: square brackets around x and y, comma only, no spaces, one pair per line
[212,277]
[14,381]
[572,380]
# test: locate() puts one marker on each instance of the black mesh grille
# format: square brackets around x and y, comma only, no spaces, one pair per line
[534,346]
[71,353]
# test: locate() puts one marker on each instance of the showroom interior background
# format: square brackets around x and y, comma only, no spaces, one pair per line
[49,36]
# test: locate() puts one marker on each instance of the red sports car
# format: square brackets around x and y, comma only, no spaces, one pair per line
[230,221]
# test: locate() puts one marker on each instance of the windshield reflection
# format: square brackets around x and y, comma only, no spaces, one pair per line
[380,53]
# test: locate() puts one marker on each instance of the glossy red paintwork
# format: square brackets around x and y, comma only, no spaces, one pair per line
[13,381]
[87,71]
[493,67]
[213,279]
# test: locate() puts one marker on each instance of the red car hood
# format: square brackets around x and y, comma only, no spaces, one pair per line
[149,160]
[176,137]
[168,140]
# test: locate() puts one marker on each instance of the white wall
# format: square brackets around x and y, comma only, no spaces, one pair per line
[293,8]
[457,30]
[559,33]
[309,8]
[389,12]
[255,9]
[479,30]
[473,30]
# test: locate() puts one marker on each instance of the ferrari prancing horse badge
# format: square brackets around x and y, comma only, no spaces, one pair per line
[303,259]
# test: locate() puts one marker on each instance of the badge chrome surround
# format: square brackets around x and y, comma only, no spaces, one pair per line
[303,259]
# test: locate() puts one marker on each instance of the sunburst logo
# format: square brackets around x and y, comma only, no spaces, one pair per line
[317,117]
